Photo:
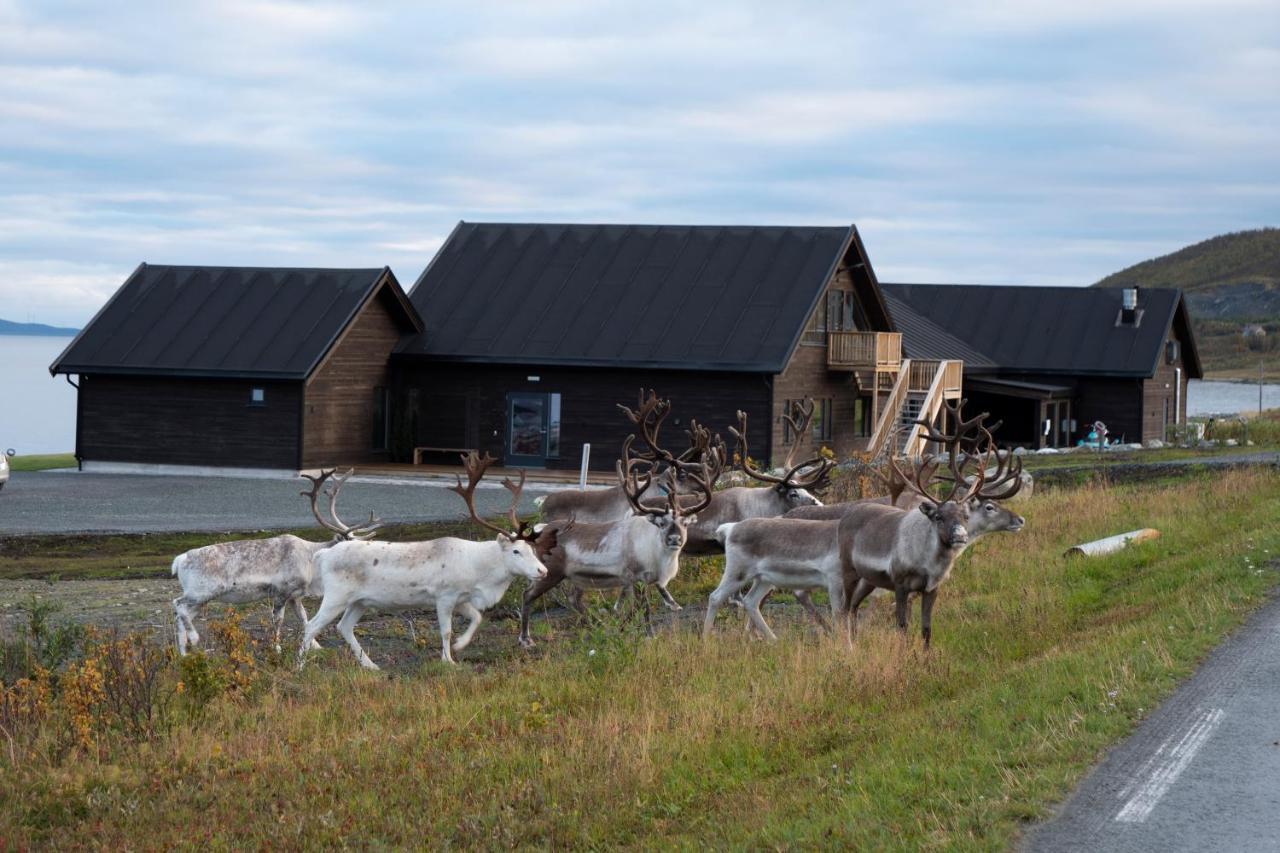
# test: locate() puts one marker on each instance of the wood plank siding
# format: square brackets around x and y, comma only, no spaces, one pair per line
[807,375]
[175,421]
[338,418]
[464,405]
[1163,402]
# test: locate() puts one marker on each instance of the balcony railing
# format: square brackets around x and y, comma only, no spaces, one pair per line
[922,374]
[864,350]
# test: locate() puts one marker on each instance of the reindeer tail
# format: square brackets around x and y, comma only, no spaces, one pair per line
[723,531]
[178,562]
[538,501]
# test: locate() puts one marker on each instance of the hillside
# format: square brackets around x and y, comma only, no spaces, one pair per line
[1230,281]
[8,327]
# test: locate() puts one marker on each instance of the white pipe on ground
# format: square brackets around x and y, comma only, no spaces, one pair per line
[1111,544]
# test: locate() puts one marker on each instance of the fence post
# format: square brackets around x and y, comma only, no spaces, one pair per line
[586,461]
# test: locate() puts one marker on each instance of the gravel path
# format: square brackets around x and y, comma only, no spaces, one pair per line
[72,502]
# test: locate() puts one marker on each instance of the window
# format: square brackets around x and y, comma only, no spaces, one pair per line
[819,427]
[553,426]
[844,314]
[815,333]
[257,396]
[862,417]
[1172,352]
[381,423]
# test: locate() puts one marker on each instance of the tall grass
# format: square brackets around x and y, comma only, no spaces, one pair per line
[600,739]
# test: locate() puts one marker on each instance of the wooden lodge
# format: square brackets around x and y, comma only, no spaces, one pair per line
[520,339]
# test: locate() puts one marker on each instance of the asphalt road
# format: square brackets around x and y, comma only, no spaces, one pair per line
[1201,773]
[72,502]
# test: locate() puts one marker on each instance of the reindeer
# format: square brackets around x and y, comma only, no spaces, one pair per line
[611,504]
[913,550]
[280,569]
[643,548]
[457,575]
[896,494]
[792,489]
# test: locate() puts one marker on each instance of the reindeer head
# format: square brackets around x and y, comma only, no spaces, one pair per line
[673,516]
[518,545]
[794,488]
[968,504]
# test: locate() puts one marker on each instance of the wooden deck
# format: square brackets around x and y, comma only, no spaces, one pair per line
[447,472]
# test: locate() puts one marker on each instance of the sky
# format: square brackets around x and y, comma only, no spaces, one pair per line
[996,143]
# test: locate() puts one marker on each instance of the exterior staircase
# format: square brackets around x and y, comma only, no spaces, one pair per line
[917,394]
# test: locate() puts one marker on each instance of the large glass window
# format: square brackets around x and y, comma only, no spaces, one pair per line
[553,426]
[819,427]
[815,333]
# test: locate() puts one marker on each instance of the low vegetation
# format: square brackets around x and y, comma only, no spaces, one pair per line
[603,738]
[42,462]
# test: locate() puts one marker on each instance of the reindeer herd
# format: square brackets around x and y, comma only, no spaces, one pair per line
[777,535]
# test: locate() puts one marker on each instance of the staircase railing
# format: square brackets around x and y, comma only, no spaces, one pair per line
[886,424]
[945,376]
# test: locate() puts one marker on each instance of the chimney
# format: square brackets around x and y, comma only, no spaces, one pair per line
[1129,306]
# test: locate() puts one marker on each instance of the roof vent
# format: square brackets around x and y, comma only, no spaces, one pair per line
[1129,307]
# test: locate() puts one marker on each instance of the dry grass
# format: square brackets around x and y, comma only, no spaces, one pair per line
[606,739]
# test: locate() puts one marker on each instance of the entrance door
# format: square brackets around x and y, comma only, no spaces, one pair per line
[526,430]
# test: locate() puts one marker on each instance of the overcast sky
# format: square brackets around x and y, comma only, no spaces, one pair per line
[1015,142]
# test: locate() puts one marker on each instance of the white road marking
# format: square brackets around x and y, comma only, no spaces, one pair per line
[1163,769]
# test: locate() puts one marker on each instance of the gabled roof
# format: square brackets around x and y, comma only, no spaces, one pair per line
[1055,330]
[250,322]
[651,296]
[923,338]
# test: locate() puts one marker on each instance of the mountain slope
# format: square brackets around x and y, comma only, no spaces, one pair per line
[8,327]
[1231,282]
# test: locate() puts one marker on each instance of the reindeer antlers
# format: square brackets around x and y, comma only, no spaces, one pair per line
[816,478]
[1008,473]
[337,525]
[475,466]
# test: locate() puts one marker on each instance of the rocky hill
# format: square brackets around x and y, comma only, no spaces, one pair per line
[8,327]
[1232,285]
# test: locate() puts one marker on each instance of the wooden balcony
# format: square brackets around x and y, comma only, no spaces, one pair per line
[878,351]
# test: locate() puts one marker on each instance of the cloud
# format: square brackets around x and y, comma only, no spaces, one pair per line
[1031,142]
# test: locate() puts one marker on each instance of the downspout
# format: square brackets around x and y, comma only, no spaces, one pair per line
[79,461]
[1177,396]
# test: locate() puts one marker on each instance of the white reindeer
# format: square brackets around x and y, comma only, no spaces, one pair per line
[280,569]
[454,575]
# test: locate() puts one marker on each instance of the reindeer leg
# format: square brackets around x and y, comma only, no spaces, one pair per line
[854,600]
[444,614]
[277,620]
[926,614]
[668,600]
[802,596]
[648,611]
[900,596]
[532,593]
[347,628]
[835,591]
[473,616]
[302,617]
[730,583]
[329,610]
[186,608]
[752,604]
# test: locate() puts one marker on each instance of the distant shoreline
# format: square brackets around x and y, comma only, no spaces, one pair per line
[55,333]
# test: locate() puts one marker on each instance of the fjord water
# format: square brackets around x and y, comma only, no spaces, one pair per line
[37,411]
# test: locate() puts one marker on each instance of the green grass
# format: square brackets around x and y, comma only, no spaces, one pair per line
[603,739]
[42,462]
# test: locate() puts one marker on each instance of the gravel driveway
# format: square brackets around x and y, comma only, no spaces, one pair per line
[74,502]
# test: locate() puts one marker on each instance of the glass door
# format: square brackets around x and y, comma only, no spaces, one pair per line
[526,430]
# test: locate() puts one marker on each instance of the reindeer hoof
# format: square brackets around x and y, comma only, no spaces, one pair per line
[527,643]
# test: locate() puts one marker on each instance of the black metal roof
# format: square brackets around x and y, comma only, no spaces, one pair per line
[258,322]
[923,338]
[1055,330]
[652,296]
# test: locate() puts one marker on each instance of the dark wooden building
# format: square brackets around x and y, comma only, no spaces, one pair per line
[1050,361]
[535,332]
[236,367]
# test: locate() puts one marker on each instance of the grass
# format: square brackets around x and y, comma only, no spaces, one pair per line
[122,556]
[42,462]
[601,738]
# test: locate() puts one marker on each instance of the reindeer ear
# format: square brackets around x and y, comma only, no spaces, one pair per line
[691,520]
[929,510]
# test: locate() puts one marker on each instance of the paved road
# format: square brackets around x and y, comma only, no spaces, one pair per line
[71,502]
[1202,773]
